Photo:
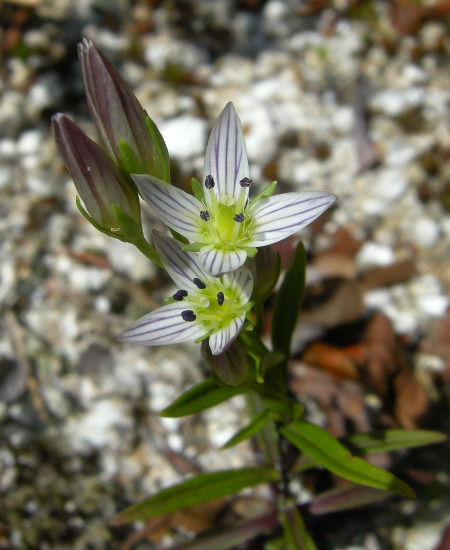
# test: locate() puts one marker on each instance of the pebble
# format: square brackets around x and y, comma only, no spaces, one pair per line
[374,254]
[394,102]
[425,232]
[185,136]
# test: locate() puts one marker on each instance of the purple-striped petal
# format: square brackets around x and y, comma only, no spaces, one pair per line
[218,261]
[226,155]
[220,340]
[241,281]
[182,267]
[163,326]
[174,207]
[275,218]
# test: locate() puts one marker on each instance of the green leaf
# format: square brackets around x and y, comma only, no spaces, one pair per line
[391,440]
[288,302]
[197,189]
[295,534]
[250,430]
[380,441]
[202,396]
[178,236]
[327,451]
[202,488]
[266,192]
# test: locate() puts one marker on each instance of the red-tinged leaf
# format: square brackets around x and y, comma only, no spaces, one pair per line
[232,536]
[345,498]
[202,488]
[296,537]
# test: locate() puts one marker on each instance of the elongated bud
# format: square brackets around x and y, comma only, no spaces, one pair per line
[231,367]
[128,133]
[98,180]
[265,268]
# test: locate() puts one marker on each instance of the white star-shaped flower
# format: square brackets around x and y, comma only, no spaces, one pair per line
[220,222]
[203,306]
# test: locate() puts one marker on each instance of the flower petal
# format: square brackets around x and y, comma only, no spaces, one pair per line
[174,207]
[220,340]
[218,261]
[241,281]
[226,155]
[163,326]
[182,266]
[275,218]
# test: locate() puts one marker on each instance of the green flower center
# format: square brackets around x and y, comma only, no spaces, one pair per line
[214,305]
[224,221]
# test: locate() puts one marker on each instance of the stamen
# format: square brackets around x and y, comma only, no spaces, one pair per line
[179,295]
[188,315]
[199,284]
[209,182]
[245,182]
[204,214]
[220,298]
[239,218]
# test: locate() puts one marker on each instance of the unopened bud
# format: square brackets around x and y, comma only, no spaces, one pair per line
[128,133]
[265,268]
[231,367]
[98,180]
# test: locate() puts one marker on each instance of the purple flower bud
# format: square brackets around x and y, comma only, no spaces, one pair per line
[231,367]
[98,180]
[128,133]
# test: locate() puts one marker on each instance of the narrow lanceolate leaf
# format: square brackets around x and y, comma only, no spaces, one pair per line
[202,488]
[345,498]
[296,536]
[231,536]
[288,301]
[203,396]
[391,440]
[250,430]
[328,452]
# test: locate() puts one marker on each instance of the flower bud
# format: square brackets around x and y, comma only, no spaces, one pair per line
[98,180]
[265,268]
[231,367]
[128,133]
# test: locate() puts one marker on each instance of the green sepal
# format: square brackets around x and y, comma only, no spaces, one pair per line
[265,193]
[258,422]
[91,220]
[288,302]
[204,337]
[133,234]
[178,237]
[130,161]
[203,396]
[251,251]
[201,488]
[162,154]
[197,189]
[332,455]
[192,247]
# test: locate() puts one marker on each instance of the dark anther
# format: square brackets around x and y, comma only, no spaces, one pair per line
[239,218]
[245,182]
[179,295]
[220,298]
[209,182]
[188,315]
[199,284]
[204,214]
